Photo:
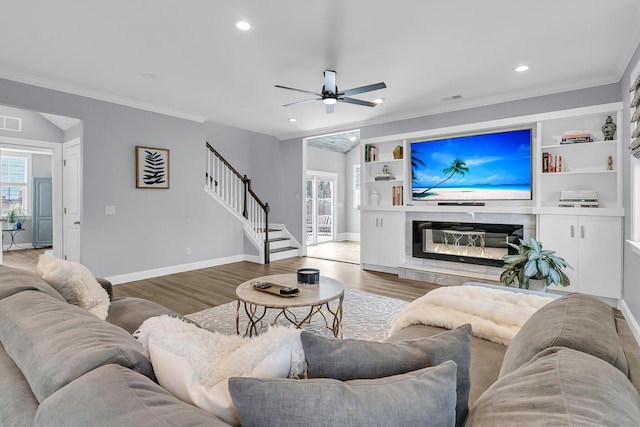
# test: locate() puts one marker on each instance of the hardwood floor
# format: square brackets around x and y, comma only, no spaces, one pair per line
[197,290]
[344,251]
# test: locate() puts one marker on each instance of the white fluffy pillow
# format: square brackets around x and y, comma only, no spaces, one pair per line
[75,283]
[195,364]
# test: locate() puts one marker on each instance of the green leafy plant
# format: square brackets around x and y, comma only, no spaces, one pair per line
[532,262]
[11,214]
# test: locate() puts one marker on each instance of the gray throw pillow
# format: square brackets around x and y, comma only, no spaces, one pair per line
[574,321]
[53,342]
[424,397]
[113,396]
[352,359]
[559,387]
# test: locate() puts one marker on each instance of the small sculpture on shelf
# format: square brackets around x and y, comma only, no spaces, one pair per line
[397,152]
[610,163]
[385,175]
[609,129]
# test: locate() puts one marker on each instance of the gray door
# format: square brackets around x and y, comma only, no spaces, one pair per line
[42,212]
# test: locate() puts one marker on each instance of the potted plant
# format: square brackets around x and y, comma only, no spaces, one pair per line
[11,215]
[533,263]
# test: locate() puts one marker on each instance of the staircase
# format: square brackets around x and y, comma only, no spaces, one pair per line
[233,191]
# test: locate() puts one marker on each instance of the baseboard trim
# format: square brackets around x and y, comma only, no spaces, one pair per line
[149,274]
[631,321]
[354,237]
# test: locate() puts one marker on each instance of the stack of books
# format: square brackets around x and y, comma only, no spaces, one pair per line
[576,136]
[578,199]
[551,163]
[397,195]
[370,153]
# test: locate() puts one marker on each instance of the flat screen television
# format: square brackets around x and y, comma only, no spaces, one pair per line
[487,166]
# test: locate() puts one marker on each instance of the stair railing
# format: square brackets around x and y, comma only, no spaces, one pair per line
[235,190]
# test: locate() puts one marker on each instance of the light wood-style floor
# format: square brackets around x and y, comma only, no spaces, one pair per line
[345,251]
[197,290]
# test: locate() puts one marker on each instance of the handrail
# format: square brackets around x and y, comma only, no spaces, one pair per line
[246,182]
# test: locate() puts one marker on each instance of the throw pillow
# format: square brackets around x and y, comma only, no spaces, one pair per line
[575,321]
[353,359]
[195,364]
[75,283]
[559,387]
[423,397]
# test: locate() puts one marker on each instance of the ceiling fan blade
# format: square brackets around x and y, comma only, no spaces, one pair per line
[363,89]
[303,102]
[299,90]
[357,102]
[330,82]
[329,108]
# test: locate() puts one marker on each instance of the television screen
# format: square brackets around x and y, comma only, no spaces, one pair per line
[490,166]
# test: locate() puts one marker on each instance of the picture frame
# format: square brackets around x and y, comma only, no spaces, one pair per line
[152,167]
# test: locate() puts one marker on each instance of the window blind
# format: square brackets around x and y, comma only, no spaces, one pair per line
[635,118]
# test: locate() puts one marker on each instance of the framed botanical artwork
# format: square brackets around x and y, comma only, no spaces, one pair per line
[152,167]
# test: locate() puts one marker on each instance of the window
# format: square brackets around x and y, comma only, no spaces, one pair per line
[635,161]
[14,181]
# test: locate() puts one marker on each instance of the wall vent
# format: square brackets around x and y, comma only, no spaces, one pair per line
[11,123]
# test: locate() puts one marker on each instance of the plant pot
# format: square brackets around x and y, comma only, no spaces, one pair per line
[11,225]
[539,285]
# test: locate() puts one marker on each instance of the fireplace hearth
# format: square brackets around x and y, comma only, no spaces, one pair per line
[464,242]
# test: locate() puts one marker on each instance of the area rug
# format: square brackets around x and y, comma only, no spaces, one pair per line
[365,316]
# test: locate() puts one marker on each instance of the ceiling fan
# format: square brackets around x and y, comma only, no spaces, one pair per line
[330,94]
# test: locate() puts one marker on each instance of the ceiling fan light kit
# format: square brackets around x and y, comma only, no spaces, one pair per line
[330,94]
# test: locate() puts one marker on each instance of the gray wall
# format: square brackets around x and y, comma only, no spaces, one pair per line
[152,228]
[34,126]
[631,291]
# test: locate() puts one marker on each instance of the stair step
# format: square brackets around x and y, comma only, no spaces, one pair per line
[287,248]
[278,239]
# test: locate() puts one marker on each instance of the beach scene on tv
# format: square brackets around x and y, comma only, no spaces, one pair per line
[492,166]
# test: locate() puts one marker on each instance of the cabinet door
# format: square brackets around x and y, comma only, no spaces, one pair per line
[369,238]
[559,233]
[600,256]
[391,244]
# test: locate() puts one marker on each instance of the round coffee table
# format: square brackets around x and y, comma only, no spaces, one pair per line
[315,297]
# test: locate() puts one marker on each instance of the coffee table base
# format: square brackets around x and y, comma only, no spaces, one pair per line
[255,313]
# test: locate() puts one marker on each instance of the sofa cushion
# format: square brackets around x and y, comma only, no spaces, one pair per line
[574,321]
[423,397]
[53,342]
[115,396]
[14,280]
[129,313]
[559,387]
[75,283]
[353,359]
[18,405]
[194,364]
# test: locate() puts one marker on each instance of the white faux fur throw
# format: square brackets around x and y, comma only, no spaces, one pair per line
[494,314]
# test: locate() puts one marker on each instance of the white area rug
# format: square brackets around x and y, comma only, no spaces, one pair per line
[365,316]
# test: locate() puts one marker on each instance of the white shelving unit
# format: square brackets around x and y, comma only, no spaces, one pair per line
[371,169]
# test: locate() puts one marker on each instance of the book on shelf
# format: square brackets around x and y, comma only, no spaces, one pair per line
[578,204]
[578,199]
[384,177]
[370,153]
[551,163]
[397,195]
[576,136]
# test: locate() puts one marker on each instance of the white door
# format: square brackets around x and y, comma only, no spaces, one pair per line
[72,199]
[560,233]
[600,252]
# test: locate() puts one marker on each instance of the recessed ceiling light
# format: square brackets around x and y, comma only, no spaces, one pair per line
[522,68]
[353,139]
[292,119]
[243,25]
[149,76]
[378,100]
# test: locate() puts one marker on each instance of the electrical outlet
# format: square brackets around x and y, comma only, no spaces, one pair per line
[188,251]
[110,210]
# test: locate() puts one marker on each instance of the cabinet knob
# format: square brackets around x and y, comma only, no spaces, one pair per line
[572,232]
[582,231]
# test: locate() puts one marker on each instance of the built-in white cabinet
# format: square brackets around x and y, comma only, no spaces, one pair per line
[592,245]
[382,236]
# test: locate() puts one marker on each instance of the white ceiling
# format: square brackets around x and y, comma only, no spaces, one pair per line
[426,51]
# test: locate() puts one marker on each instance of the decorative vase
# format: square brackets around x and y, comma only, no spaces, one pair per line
[397,152]
[375,198]
[11,225]
[609,129]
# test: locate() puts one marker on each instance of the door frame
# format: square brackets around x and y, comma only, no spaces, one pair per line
[334,218]
[55,149]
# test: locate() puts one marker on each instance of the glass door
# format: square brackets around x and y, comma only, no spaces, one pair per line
[320,198]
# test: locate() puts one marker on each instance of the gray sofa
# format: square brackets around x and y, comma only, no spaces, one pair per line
[573,362]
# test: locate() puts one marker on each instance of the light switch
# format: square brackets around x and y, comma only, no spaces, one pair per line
[110,210]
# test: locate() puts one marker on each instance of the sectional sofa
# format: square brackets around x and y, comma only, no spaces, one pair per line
[573,363]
